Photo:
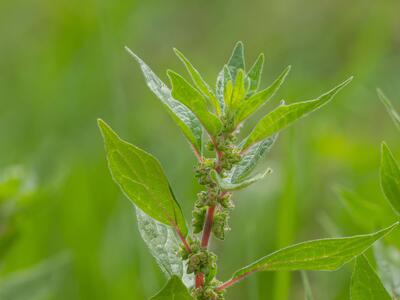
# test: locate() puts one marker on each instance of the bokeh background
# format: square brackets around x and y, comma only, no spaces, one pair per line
[63,64]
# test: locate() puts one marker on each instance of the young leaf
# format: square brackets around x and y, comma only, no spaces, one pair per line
[251,158]
[390,109]
[199,82]
[223,77]
[308,295]
[390,178]
[174,290]
[190,97]
[238,92]
[365,283]
[254,75]
[163,245]
[141,178]
[180,114]
[236,60]
[252,104]
[322,255]
[284,115]
[228,186]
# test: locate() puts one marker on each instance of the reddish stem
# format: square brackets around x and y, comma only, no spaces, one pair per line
[199,280]
[232,281]
[183,239]
[207,227]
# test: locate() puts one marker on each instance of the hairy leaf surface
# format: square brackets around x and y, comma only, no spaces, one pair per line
[285,115]
[190,97]
[141,178]
[223,77]
[365,283]
[390,178]
[174,290]
[180,114]
[199,82]
[226,185]
[252,104]
[236,61]
[323,255]
[388,265]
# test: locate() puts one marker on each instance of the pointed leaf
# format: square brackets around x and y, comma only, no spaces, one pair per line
[163,245]
[141,178]
[236,60]
[181,115]
[238,92]
[323,255]
[390,178]
[199,82]
[251,158]
[174,290]
[365,283]
[228,186]
[223,77]
[256,101]
[254,75]
[190,97]
[285,115]
[390,109]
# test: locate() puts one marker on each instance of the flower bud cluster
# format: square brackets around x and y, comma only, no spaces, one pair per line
[208,292]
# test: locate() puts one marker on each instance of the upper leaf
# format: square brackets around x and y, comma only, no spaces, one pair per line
[365,283]
[390,178]
[252,104]
[174,290]
[238,92]
[199,82]
[181,115]
[323,255]
[163,245]
[284,115]
[389,107]
[141,178]
[189,96]
[250,159]
[254,75]
[236,61]
[229,186]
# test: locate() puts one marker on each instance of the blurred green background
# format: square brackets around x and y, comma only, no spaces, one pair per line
[63,65]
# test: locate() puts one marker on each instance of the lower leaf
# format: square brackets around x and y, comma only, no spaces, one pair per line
[174,290]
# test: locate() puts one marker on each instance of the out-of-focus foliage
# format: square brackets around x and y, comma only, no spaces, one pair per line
[63,65]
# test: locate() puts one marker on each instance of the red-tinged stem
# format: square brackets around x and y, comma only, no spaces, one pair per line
[197,154]
[183,239]
[199,280]
[208,226]
[232,281]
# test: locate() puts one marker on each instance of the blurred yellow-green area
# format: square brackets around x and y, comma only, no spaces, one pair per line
[63,65]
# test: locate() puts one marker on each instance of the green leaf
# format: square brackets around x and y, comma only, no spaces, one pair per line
[285,115]
[365,283]
[390,109]
[141,178]
[238,92]
[199,82]
[254,75]
[163,245]
[181,115]
[228,186]
[390,178]
[36,283]
[223,77]
[251,158]
[174,290]
[252,104]
[388,264]
[323,255]
[190,97]
[308,295]
[236,60]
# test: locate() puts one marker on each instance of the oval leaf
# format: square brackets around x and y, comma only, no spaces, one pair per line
[323,255]
[365,283]
[174,290]
[141,178]
[190,97]
[390,178]
[284,115]
[181,115]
